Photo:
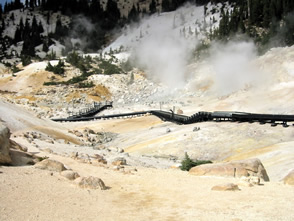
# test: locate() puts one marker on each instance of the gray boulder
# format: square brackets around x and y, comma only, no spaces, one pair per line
[4,145]
[247,168]
[51,165]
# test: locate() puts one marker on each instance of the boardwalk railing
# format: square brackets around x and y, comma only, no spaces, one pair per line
[273,119]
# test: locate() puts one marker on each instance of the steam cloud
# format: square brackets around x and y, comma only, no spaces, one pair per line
[233,66]
[164,53]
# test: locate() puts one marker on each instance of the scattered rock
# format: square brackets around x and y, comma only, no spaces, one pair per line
[74,155]
[289,179]
[179,111]
[48,150]
[69,174]
[51,165]
[100,159]
[196,129]
[20,158]
[78,134]
[176,166]
[4,145]
[90,182]
[119,161]
[226,187]
[168,130]
[120,150]
[251,167]
[14,145]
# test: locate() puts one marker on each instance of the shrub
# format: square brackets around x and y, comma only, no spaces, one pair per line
[86,84]
[51,83]
[26,60]
[57,69]
[51,55]
[187,163]
[109,68]
[15,69]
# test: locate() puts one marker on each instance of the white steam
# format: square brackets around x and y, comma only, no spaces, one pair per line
[165,56]
[233,67]
[162,50]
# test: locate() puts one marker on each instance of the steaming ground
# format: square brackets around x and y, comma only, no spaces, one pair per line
[147,186]
[269,92]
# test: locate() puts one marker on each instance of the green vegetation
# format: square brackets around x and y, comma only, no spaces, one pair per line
[51,56]
[57,69]
[87,66]
[187,163]
[86,84]
[15,69]
[26,60]
[110,68]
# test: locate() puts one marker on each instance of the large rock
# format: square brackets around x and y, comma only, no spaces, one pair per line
[289,179]
[51,165]
[20,158]
[251,167]
[90,182]
[4,145]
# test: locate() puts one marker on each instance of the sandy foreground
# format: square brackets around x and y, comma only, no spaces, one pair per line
[28,193]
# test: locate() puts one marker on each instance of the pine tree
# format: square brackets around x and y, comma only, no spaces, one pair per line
[40,28]
[266,14]
[96,11]
[3,25]
[152,7]
[31,3]
[165,5]
[133,15]
[112,15]
[17,36]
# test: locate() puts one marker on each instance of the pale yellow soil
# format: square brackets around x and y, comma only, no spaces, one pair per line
[149,194]
[27,193]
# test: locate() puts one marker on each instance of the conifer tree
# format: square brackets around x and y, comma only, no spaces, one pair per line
[152,7]
[266,14]
[133,15]
[112,15]
[95,10]
[165,5]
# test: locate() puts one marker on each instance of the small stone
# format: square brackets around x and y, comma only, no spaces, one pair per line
[119,161]
[47,150]
[168,130]
[226,187]
[196,129]
[289,179]
[74,155]
[91,183]
[120,150]
[179,111]
[71,175]
[51,165]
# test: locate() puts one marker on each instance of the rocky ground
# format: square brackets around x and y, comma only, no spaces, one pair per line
[138,158]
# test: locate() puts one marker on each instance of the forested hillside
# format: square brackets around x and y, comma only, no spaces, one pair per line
[88,25]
